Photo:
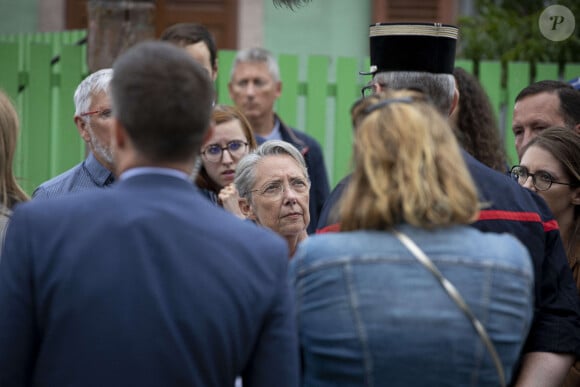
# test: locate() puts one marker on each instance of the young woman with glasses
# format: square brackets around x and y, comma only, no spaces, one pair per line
[230,140]
[550,165]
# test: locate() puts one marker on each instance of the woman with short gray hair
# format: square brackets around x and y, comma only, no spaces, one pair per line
[273,185]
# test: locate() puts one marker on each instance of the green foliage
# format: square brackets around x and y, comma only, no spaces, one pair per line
[508,30]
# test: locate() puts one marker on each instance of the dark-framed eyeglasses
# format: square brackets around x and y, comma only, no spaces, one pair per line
[102,114]
[276,189]
[213,153]
[370,89]
[542,180]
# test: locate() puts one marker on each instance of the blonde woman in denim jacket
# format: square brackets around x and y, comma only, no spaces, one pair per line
[368,312]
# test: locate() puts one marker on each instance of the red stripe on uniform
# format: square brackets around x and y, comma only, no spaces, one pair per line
[518,217]
[331,228]
[485,215]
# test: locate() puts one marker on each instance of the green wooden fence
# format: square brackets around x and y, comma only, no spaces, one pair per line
[41,71]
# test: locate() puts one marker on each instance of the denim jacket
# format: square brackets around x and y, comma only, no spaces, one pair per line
[369,314]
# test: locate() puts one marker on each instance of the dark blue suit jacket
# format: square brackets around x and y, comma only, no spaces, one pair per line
[145,284]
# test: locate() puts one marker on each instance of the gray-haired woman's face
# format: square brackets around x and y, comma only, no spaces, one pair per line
[280,196]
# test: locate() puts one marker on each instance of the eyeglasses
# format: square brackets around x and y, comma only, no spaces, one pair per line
[275,189]
[369,89]
[258,83]
[542,180]
[102,114]
[213,153]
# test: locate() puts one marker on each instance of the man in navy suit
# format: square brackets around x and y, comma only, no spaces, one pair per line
[146,284]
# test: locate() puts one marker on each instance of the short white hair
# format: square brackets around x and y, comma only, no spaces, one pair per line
[93,84]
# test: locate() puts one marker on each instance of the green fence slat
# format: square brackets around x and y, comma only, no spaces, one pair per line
[546,71]
[9,76]
[518,77]
[225,62]
[287,105]
[37,168]
[571,70]
[490,79]
[465,64]
[68,147]
[346,93]
[9,69]
[317,79]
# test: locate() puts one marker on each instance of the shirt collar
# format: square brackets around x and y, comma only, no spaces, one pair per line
[153,170]
[98,173]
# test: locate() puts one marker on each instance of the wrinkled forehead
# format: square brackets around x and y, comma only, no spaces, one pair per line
[280,167]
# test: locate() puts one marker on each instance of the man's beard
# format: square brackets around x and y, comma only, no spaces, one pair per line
[102,151]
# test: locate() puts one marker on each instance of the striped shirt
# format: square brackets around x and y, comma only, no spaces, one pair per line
[88,175]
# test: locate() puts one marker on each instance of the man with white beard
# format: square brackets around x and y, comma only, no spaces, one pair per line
[93,120]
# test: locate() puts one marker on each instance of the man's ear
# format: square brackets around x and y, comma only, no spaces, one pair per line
[576,196]
[454,102]
[215,71]
[577,128]
[81,125]
[119,134]
[246,208]
[278,88]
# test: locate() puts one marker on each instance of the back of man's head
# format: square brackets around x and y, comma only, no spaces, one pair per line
[163,99]
[185,34]
[568,96]
[439,87]
[257,55]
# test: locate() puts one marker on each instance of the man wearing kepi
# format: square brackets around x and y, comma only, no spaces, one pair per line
[158,287]
[424,60]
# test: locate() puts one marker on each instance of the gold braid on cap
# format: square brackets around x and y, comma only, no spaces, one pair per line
[435,30]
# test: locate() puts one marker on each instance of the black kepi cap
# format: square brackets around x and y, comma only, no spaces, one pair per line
[425,47]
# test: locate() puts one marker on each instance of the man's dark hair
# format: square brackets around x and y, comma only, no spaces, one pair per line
[163,99]
[569,98]
[184,34]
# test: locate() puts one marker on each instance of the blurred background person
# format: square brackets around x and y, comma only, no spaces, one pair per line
[229,140]
[197,41]
[93,119]
[541,105]
[254,87]
[368,311]
[474,122]
[274,188]
[11,192]
[550,166]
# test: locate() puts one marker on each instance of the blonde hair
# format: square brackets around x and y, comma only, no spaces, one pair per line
[10,192]
[408,167]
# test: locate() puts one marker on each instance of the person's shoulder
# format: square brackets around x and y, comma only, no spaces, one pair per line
[503,248]
[56,185]
[310,141]
[503,193]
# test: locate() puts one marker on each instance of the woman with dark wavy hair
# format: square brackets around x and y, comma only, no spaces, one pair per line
[550,166]
[475,124]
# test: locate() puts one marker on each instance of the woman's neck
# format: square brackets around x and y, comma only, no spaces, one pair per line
[294,240]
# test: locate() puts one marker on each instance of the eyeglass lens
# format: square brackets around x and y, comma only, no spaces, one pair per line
[235,148]
[542,180]
[277,188]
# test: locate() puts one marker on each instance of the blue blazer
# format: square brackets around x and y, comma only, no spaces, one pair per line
[145,284]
